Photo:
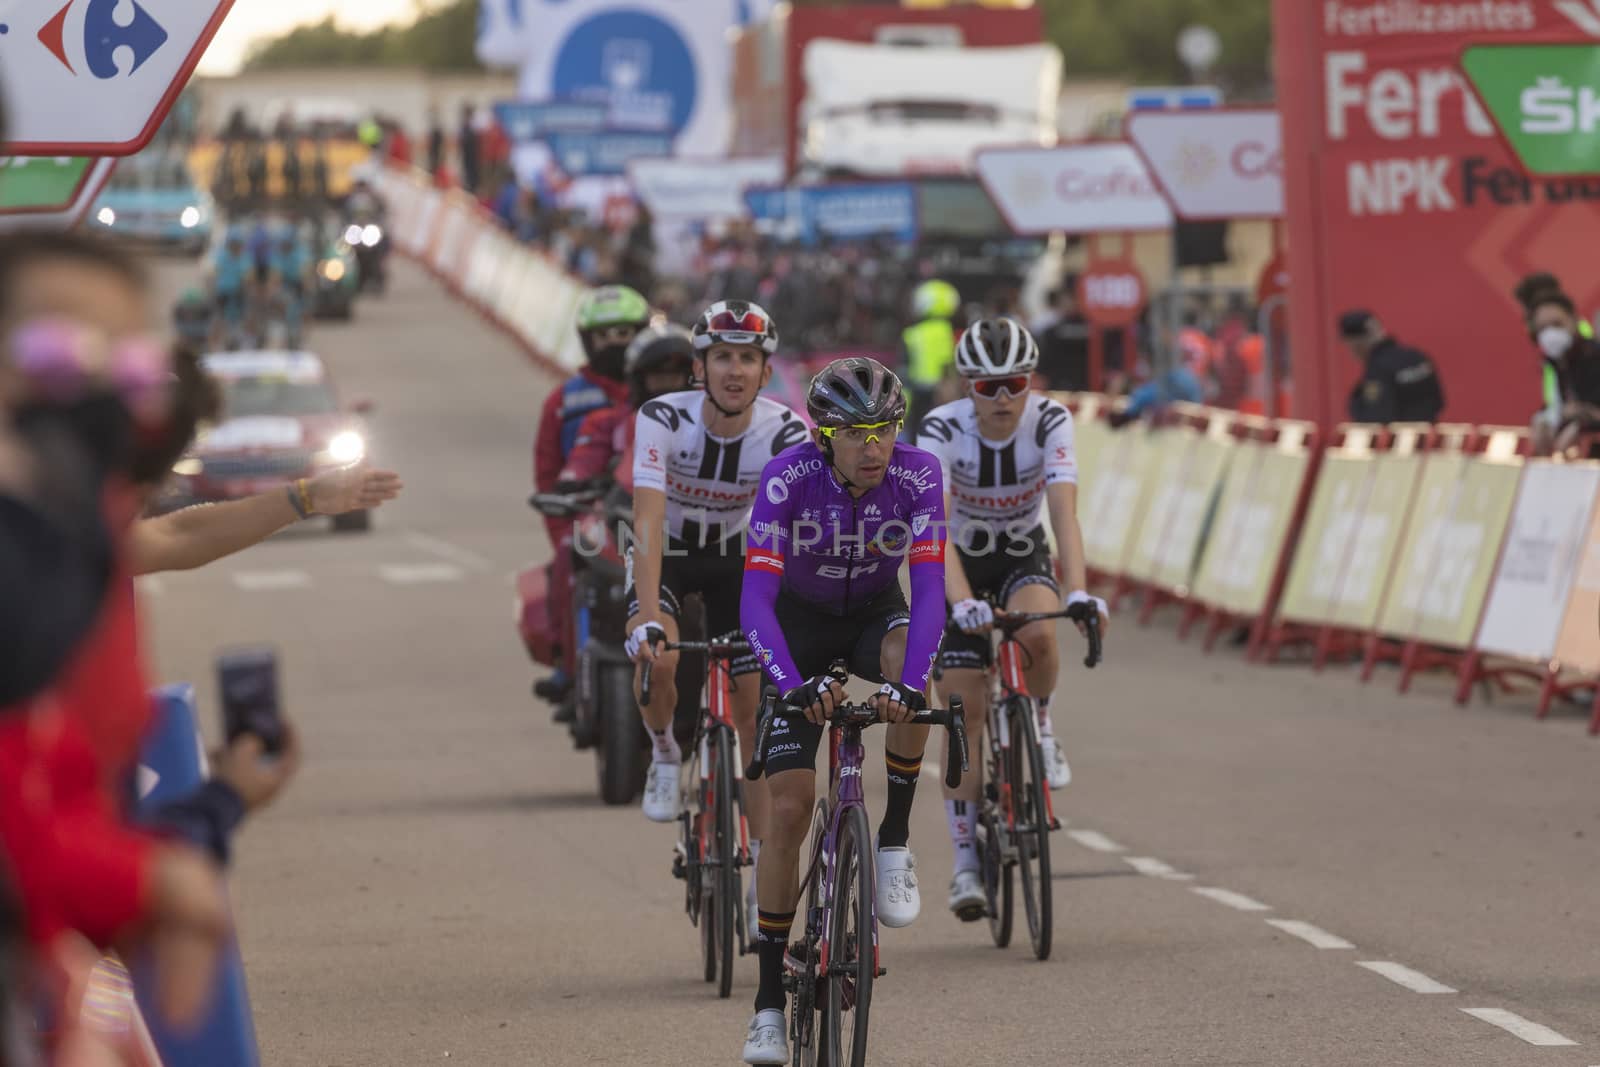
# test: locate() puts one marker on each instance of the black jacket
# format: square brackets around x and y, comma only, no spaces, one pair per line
[1400,384]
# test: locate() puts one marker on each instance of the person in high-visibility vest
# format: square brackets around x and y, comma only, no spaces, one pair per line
[929,343]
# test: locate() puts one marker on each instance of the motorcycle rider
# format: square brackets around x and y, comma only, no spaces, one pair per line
[608,320]
[660,360]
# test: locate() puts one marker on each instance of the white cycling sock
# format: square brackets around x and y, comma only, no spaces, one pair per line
[755,854]
[1046,727]
[664,747]
[962,815]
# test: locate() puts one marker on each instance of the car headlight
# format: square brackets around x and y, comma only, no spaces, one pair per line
[106,216]
[188,466]
[352,234]
[333,269]
[347,447]
[371,235]
[190,217]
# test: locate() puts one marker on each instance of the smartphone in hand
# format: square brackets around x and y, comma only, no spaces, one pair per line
[247,679]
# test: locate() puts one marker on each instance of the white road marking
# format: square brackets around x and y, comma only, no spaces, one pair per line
[1402,975]
[150,585]
[1511,1022]
[420,573]
[445,550]
[260,581]
[1314,936]
[1156,868]
[1234,900]
[1095,840]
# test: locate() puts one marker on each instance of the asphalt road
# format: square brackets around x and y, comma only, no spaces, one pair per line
[441,882]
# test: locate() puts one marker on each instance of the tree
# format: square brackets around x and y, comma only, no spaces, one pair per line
[441,38]
[1138,38]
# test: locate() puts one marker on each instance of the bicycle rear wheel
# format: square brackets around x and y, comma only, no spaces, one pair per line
[724,870]
[852,942]
[998,884]
[1032,819]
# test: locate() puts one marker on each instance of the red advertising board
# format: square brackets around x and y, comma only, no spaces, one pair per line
[1112,294]
[1402,199]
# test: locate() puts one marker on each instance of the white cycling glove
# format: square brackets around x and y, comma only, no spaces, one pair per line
[644,634]
[971,614]
[1078,596]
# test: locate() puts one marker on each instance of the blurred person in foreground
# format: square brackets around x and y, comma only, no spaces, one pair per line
[1571,373]
[79,868]
[1398,383]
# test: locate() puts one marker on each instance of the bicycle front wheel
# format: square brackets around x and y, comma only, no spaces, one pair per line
[1032,818]
[724,870]
[852,942]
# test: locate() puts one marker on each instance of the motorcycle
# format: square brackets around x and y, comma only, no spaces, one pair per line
[369,241]
[605,716]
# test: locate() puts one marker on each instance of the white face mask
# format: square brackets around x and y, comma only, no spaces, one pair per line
[1554,341]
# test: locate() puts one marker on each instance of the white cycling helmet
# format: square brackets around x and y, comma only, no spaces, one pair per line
[995,348]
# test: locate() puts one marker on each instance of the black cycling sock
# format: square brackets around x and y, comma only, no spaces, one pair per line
[895,829]
[772,940]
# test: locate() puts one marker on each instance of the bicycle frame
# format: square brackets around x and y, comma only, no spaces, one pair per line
[717,717]
[1007,680]
[846,755]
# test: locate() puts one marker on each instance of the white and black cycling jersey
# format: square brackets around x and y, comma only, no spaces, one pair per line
[710,482]
[1000,484]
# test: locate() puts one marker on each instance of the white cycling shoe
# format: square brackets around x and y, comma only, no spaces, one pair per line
[968,901]
[899,900]
[768,1039]
[661,796]
[1056,771]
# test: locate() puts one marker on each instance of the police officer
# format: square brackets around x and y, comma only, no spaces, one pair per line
[1398,384]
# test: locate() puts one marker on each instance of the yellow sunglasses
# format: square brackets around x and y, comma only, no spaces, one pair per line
[862,435]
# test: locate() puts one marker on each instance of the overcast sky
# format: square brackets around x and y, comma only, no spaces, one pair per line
[251,20]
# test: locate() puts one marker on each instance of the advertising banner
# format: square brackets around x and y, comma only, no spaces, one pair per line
[605,151]
[1327,536]
[1082,188]
[1377,536]
[843,211]
[1578,644]
[1540,560]
[700,188]
[1251,525]
[1214,164]
[1403,198]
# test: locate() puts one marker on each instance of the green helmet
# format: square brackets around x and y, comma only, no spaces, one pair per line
[935,299]
[612,305]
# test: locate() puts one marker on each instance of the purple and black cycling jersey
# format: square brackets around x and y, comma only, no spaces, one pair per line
[815,542]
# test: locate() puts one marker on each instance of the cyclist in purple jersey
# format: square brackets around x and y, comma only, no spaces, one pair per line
[834,518]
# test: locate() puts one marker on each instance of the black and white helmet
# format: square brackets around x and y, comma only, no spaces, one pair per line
[736,322]
[995,348]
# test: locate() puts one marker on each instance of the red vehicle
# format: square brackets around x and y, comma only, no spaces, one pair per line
[281,420]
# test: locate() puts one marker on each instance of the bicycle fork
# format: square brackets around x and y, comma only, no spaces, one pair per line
[1011,672]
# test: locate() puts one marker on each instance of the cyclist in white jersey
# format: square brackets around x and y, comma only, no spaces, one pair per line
[1007,455]
[697,462]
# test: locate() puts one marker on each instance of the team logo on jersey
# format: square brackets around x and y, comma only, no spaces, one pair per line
[872,511]
[792,433]
[795,471]
[919,522]
[921,478]
[1051,416]
[937,429]
[664,413]
[777,490]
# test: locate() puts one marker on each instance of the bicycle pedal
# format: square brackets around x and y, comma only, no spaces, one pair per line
[1055,823]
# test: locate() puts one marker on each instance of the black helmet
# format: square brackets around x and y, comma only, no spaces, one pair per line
[855,391]
[654,348]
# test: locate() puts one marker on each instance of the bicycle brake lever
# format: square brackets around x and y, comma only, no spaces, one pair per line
[958,744]
[644,682]
[1092,627]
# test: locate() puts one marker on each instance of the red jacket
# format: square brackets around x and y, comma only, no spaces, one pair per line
[564,410]
[605,437]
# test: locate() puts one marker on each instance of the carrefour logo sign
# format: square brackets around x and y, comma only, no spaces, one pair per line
[88,36]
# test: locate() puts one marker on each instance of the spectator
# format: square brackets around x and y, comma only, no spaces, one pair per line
[467,143]
[929,343]
[1398,384]
[435,157]
[1063,335]
[1571,372]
